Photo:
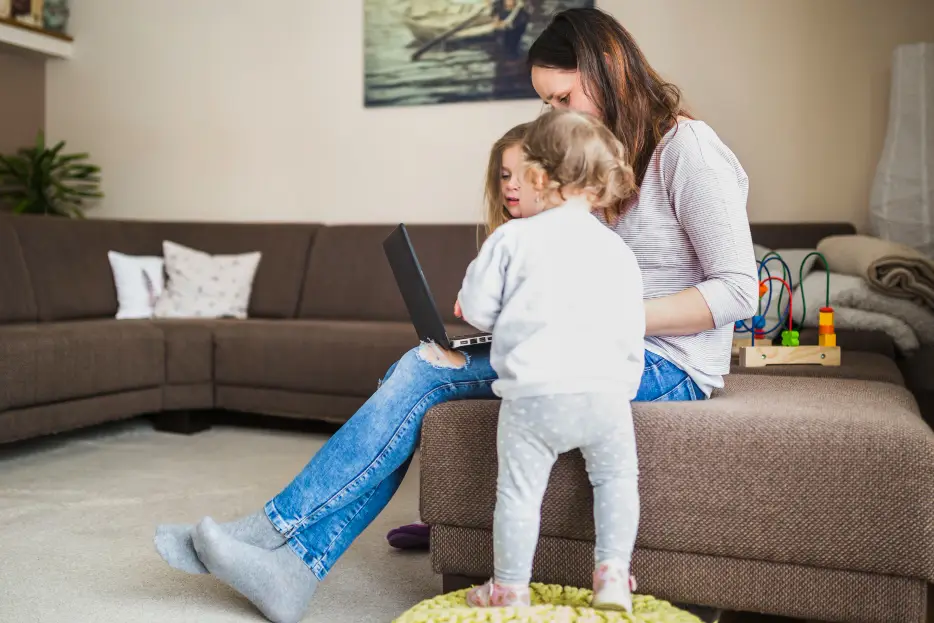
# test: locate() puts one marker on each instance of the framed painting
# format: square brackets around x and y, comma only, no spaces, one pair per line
[420,52]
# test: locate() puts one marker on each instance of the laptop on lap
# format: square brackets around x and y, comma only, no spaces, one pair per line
[427,320]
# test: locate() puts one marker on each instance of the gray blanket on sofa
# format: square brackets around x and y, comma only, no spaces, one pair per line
[860,307]
[888,267]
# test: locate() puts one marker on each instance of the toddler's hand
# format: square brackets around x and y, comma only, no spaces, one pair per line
[457,309]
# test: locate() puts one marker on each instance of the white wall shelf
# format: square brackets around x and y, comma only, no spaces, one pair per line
[22,36]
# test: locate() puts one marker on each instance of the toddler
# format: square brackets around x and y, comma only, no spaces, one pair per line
[545,285]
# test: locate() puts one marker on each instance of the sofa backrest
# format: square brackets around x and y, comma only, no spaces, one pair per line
[285,248]
[55,269]
[349,277]
[796,235]
[17,300]
[72,279]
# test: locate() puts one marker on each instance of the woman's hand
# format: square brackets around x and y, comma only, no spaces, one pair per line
[457,309]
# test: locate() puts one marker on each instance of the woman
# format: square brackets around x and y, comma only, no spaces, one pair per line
[689,231]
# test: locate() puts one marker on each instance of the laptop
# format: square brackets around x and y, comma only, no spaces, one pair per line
[413,286]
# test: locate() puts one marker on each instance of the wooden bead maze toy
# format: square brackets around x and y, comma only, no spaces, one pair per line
[758,350]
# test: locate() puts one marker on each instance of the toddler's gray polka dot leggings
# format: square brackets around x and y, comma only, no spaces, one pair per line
[532,433]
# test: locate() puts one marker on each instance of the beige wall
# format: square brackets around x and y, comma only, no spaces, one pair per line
[22,99]
[226,110]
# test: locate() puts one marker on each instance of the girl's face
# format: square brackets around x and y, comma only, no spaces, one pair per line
[519,198]
[560,88]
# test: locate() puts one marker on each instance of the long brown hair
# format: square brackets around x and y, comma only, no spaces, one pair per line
[634,101]
[495,211]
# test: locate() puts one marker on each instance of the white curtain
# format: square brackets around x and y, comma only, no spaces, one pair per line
[901,206]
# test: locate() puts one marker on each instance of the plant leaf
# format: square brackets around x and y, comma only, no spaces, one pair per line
[68,159]
[43,180]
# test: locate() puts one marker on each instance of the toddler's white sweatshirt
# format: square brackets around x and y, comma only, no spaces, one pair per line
[562,295]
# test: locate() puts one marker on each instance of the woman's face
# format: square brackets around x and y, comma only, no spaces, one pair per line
[519,198]
[560,88]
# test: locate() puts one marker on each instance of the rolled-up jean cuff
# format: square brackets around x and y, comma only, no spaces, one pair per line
[284,528]
[272,513]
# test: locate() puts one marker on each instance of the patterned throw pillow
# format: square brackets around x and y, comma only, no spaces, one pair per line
[200,285]
[138,281]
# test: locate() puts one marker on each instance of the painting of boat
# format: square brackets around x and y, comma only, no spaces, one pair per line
[419,52]
[473,22]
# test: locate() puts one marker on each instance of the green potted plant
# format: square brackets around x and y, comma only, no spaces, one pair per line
[42,180]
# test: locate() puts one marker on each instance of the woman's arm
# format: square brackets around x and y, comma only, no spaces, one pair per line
[684,313]
[710,203]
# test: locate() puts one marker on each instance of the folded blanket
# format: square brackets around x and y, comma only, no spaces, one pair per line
[848,288]
[855,293]
[890,268]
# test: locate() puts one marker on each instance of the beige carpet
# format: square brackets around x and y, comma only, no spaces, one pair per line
[77,516]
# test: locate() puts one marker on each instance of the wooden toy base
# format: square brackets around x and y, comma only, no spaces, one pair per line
[740,341]
[759,356]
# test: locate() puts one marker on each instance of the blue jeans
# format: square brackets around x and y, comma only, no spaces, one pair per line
[355,474]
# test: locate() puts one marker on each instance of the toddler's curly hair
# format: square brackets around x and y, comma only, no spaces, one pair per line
[568,150]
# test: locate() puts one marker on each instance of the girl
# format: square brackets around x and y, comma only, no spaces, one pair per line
[566,382]
[501,200]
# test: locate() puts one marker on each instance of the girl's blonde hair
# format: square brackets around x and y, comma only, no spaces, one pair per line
[496,213]
[576,152]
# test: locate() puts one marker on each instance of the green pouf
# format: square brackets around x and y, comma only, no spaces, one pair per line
[550,602]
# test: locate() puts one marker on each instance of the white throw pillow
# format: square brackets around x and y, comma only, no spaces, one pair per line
[793,259]
[139,281]
[200,285]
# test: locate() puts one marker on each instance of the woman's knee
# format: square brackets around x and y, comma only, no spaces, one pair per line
[424,359]
[438,357]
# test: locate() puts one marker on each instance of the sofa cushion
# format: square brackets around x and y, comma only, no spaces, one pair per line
[855,365]
[349,278]
[809,471]
[343,357]
[88,358]
[17,366]
[17,301]
[189,350]
[68,265]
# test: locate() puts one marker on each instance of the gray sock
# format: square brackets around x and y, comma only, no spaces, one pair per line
[277,581]
[173,541]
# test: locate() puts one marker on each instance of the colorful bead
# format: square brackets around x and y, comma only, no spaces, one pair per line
[790,338]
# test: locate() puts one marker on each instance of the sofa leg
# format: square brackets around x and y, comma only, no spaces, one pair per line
[182,422]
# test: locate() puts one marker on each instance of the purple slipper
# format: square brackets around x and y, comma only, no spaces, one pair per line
[411,536]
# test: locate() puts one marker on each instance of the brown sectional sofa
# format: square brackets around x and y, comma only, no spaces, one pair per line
[326,322]
[797,491]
